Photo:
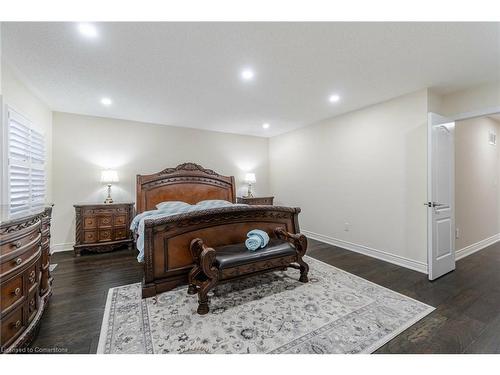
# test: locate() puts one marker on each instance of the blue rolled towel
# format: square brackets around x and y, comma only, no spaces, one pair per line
[253,243]
[263,236]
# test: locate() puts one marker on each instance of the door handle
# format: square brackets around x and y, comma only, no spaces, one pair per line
[433,204]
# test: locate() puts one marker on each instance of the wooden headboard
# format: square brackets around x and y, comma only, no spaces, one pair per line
[188,182]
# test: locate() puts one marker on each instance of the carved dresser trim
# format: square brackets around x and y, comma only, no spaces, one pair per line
[25,279]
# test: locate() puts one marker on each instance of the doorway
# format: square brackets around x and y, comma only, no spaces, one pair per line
[463,188]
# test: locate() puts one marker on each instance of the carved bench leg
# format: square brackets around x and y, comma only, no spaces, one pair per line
[304,270]
[299,242]
[204,258]
[203,296]
[193,274]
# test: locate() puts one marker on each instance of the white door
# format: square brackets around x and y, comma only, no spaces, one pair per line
[441,196]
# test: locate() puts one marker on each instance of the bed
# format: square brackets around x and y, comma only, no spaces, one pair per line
[167,257]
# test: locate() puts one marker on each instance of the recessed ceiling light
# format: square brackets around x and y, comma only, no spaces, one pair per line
[265,125]
[334,98]
[247,74]
[106,101]
[88,30]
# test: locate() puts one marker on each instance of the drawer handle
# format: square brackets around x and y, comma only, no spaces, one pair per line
[17,324]
[32,303]
[16,244]
[17,291]
[18,261]
[32,277]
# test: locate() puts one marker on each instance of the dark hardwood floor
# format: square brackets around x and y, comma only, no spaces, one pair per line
[467,301]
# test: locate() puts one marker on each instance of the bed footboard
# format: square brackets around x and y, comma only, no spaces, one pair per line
[167,258]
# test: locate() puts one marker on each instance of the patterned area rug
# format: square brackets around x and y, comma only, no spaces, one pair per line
[336,312]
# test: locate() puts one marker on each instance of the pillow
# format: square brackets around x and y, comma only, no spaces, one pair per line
[214,203]
[171,205]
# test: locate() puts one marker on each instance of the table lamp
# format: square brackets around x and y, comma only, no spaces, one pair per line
[107,177]
[250,179]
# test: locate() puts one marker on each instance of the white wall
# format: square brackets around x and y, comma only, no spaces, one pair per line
[474,98]
[367,168]
[85,145]
[20,98]
[477,193]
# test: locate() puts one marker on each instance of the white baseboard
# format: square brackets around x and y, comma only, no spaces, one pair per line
[58,247]
[365,250]
[475,247]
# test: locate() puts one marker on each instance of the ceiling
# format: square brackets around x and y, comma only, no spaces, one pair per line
[188,74]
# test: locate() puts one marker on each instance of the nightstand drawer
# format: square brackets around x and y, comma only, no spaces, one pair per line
[120,234]
[105,221]
[89,236]
[104,235]
[89,223]
[120,220]
[255,200]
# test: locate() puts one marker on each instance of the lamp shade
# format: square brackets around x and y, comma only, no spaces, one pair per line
[250,178]
[109,176]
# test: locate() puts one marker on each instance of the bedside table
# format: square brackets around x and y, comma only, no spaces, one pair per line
[103,227]
[255,200]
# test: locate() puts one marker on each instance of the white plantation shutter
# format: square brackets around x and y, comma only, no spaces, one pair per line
[26,172]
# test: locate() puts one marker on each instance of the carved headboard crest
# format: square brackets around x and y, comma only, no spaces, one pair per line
[188,167]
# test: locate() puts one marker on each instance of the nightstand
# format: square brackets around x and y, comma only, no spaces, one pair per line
[255,200]
[103,227]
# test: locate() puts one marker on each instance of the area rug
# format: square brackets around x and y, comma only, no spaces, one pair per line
[336,312]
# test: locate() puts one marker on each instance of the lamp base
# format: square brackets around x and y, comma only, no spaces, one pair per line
[249,191]
[109,199]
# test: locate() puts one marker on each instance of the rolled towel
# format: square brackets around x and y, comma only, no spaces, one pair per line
[260,233]
[253,243]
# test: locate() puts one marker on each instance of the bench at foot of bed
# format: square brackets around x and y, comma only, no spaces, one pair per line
[220,264]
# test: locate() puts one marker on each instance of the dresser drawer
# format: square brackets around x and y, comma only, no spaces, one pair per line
[12,291]
[19,243]
[89,223]
[121,220]
[31,276]
[89,236]
[33,305]
[105,221]
[19,261]
[12,325]
[104,235]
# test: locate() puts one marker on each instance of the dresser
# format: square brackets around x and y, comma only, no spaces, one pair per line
[255,200]
[102,227]
[25,279]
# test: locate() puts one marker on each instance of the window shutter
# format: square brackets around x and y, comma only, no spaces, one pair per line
[19,141]
[26,170]
[19,189]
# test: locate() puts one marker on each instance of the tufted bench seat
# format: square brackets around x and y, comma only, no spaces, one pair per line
[236,255]
[215,265]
